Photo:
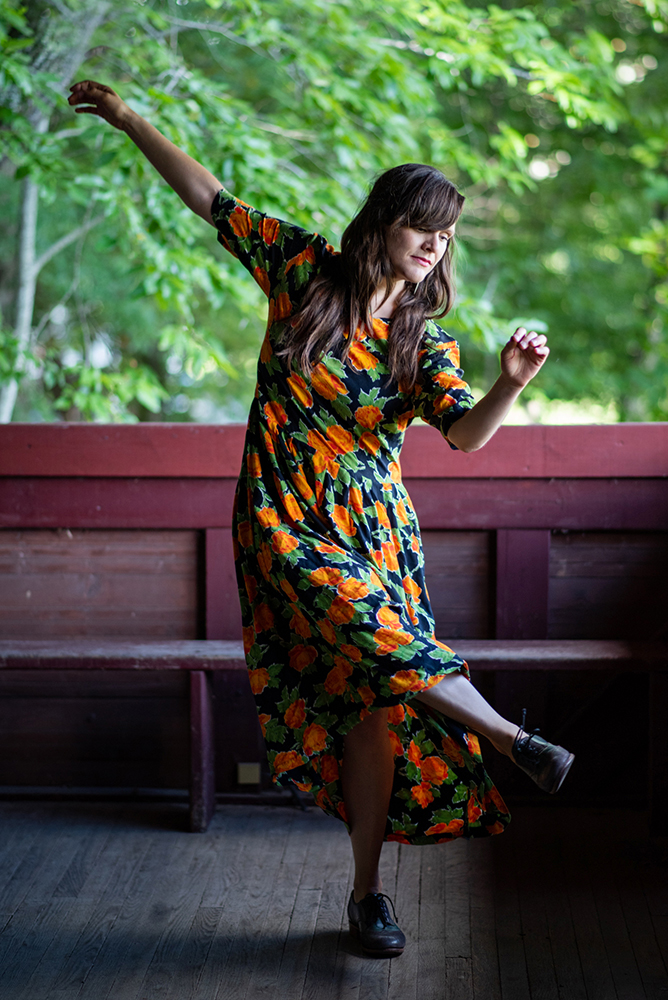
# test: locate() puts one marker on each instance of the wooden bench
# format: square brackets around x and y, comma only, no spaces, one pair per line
[199,658]
[202,658]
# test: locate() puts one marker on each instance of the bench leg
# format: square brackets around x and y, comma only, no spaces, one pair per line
[202,773]
[658,753]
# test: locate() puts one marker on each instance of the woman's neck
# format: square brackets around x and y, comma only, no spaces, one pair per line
[383,304]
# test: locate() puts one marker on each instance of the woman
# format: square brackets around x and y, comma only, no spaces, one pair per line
[359,703]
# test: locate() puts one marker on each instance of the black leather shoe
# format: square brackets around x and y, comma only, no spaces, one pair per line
[370,920]
[544,762]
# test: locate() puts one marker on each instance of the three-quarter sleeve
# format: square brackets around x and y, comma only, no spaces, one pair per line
[280,256]
[444,396]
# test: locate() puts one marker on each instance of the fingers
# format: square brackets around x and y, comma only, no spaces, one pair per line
[526,340]
[87,90]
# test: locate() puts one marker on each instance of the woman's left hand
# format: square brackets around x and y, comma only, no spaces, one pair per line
[523,356]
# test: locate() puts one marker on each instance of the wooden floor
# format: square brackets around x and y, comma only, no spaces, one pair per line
[119,902]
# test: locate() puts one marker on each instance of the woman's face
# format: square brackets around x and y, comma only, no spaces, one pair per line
[414,253]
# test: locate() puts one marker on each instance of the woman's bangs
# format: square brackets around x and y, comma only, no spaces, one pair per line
[435,206]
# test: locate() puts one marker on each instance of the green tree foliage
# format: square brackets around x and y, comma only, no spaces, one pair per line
[550,117]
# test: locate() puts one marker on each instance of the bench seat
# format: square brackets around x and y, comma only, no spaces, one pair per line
[201,657]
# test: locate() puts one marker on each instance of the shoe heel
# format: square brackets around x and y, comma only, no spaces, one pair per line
[354,929]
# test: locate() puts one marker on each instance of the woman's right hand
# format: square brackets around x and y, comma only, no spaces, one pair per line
[105,103]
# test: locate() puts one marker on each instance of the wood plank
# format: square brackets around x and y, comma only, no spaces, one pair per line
[404,971]
[473,504]
[196,450]
[223,612]
[438,900]
[463,610]
[202,765]
[509,940]
[534,891]
[484,956]
[658,753]
[522,575]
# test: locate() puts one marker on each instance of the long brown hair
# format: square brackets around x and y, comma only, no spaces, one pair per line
[338,299]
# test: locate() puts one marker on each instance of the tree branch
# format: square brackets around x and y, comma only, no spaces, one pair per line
[65,241]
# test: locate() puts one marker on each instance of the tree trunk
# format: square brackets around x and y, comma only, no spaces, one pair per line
[60,47]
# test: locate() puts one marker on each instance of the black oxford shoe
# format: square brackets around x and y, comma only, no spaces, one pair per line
[370,921]
[545,763]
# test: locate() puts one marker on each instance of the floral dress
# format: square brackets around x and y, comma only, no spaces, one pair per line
[336,616]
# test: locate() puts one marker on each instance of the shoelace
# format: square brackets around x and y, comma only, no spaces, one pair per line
[382,906]
[526,745]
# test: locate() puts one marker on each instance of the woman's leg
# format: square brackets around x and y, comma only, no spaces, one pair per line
[457,698]
[367,776]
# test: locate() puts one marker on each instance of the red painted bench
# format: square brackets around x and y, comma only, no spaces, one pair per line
[201,658]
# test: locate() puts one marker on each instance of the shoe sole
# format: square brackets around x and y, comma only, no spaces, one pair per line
[376,953]
[559,780]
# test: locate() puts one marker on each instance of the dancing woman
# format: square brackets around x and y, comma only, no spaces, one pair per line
[359,702]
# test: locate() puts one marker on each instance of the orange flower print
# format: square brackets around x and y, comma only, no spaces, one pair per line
[493,828]
[268,443]
[397,748]
[336,680]
[454,828]
[302,657]
[377,557]
[328,631]
[398,837]
[259,679]
[327,547]
[389,555]
[299,390]
[343,521]
[289,590]
[352,652]
[326,383]
[388,640]
[404,419]
[264,560]
[402,513]
[473,743]
[452,751]
[326,575]
[443,403]
[329,768]
[287,761]
[422,794]
[411,588]
[341,810]
[263,719]
[340,611]
[322,799]
[341,439]
[245,534]
[301,484]
[395,472]
[269,229]
[415,544]
[268,517]
[381,514]
[410,711]
[295,714]
[361,358]
[250,583]
[367,695]
[379,329]
[434,770]
[306,255]
[369,442]
[352,590]
[368,416]
[406,680]
[248,633]
[282,542]
[253,465]
[283,307]
[395,715]
[240,222]
[292,507]
[276,416]
[411,613]
[315,739]
[448,380]
[262,278]
[263,618]
[387,617]
[473,810]
[355,500]
[414,753]
[299,623]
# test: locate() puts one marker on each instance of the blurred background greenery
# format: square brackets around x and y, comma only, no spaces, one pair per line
[551,117]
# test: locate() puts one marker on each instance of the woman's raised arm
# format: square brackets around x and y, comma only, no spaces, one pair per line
[193,183]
